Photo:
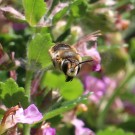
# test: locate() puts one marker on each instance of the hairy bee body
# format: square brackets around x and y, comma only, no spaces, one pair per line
[66,59]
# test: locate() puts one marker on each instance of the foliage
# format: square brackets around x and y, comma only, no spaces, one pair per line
[10,91]
[38,50]
[34,10]
[114,131]
[102,99]
[69,91]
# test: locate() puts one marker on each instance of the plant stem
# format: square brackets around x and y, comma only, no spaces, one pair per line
[26,129]
[29,74]
[28,84]
[103,113]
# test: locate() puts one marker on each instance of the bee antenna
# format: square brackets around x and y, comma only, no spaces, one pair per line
[84,62]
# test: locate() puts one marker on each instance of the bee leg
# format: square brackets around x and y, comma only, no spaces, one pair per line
[69,78]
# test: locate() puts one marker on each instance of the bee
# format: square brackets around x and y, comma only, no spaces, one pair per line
[67,59]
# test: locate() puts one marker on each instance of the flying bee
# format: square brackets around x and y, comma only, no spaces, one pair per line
[67,59]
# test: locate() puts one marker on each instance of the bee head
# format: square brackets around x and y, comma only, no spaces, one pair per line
[70,68]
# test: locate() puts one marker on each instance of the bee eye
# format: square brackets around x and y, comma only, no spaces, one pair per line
[65,66]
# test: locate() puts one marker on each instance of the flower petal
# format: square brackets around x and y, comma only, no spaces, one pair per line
[29,115]
[98,86]
[49,131]
[83,49]
[80,129]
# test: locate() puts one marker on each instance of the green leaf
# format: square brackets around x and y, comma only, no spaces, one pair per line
[69,90]
[38,50]
[52,80]
[113,131]
[66,106]
[60,14]
[34,10]
[75,11]
[71,9]
[11,94]
[76,6]
[72,90]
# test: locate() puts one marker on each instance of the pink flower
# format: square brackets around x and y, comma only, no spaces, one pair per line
[80,129]
[49,131]
[82,47]
[17,115]
[94,54]
[45,129]
[29,115]
[97,86]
